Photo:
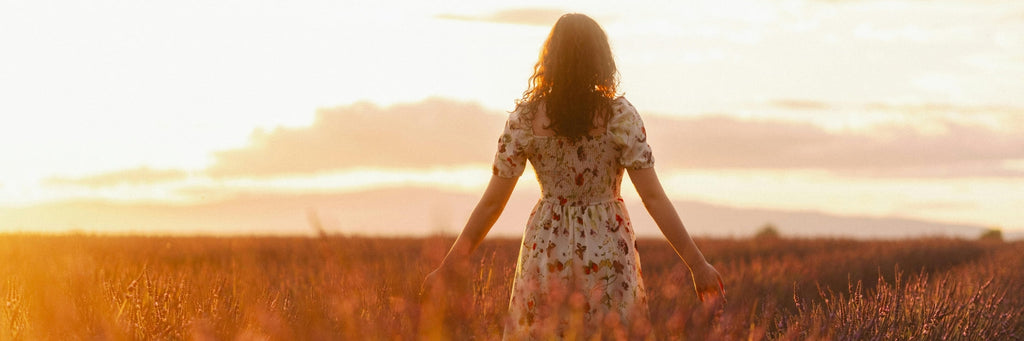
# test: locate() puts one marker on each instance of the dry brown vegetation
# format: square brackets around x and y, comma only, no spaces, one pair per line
[82,287]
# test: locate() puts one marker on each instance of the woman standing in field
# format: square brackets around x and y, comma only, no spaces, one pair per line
[578,272]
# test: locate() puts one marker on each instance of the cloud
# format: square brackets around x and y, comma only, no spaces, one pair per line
[800,104]
[443,133]
[1005,115]
[135,176]
[518,16]
[726,142]
[433,132]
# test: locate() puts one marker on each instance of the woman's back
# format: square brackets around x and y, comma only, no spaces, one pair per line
[575,170]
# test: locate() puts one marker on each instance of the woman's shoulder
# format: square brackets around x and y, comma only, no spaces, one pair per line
[522,116]
[623,109]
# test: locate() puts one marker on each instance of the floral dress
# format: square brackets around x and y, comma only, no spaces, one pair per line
[578,271]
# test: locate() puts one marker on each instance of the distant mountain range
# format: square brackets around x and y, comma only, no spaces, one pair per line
[423,211]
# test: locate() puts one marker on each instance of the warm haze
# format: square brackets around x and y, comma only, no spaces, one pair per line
[381,118]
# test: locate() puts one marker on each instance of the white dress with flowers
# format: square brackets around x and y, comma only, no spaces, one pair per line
[578,271]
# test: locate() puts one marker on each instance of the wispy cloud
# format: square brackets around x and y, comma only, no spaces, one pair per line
[135,176]
[800,104]
[518,16]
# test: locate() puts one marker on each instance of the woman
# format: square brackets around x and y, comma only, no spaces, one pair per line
[578,272]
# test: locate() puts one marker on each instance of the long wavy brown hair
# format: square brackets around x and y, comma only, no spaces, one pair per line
[575,77]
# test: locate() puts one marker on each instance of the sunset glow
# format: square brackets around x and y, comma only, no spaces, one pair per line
[897,109]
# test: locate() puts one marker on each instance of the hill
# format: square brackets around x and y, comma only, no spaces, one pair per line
[423,211]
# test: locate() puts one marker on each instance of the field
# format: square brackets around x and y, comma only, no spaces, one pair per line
[336,287]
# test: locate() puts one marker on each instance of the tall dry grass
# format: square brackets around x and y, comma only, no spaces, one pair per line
[334,287]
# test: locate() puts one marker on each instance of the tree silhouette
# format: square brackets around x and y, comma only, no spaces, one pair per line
[992,234]
[767,231]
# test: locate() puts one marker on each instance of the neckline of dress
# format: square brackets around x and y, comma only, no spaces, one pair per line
[603,134]
[529,123]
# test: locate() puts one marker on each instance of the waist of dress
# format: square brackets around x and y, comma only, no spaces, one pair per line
[579,202]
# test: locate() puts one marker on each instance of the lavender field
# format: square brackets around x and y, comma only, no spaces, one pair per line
[335,287]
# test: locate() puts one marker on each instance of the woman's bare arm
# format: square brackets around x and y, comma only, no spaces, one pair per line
[487,211]
[706,279]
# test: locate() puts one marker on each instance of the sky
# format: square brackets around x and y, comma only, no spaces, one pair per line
[894,109]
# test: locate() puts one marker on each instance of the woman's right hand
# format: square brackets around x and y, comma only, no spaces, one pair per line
[446,279]
[432,283]
[707,282]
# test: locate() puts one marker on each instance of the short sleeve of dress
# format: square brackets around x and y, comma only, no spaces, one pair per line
[510,160]
[630,136]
